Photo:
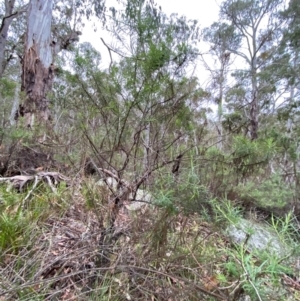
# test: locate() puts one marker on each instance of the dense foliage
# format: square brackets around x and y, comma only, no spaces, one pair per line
[208,154]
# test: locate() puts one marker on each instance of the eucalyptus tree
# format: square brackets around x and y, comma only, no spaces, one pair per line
[286,67]
[290,54]
[38,67]
[220,37]
[258,28]
[10,11]
[44,40]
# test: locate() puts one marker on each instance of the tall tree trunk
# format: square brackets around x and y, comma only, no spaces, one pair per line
[9,16]
[15,105]
[6,21]
[224,60]
[254,110]
[38,70]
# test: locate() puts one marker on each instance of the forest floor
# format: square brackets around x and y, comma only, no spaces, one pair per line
[62,238]
[61,245]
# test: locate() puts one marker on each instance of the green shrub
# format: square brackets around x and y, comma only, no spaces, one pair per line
[272,195]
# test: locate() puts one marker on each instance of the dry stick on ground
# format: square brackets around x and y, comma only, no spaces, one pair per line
[116,270]
[18,182]
[186,281]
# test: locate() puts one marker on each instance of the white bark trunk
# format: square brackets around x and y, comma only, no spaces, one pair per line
[38,71]
[15,106]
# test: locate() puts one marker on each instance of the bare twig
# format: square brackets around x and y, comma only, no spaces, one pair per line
[36,181]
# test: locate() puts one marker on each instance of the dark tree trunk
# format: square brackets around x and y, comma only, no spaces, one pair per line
[38,70]
[6,21]
[254,109]
[9,16]
[254,113]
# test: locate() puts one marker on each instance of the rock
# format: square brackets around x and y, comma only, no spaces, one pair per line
[258,237]
[136,200]
[261,237]
[141,195]
[244,298]
[142,198]
[108,183]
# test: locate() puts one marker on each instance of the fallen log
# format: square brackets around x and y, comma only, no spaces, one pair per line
[18,182]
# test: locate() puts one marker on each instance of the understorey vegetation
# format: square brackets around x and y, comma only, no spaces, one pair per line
[139,181]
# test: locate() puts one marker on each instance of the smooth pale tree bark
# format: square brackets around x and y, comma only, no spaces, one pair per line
[15,105]
[9,16]
[38,69]
[257,24]
[221,37]
[37,66]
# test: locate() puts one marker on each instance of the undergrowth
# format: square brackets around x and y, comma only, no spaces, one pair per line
[60,246]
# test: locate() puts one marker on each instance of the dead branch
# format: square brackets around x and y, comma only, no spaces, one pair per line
[18,182]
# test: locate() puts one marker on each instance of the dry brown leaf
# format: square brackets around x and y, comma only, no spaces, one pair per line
[211,283]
